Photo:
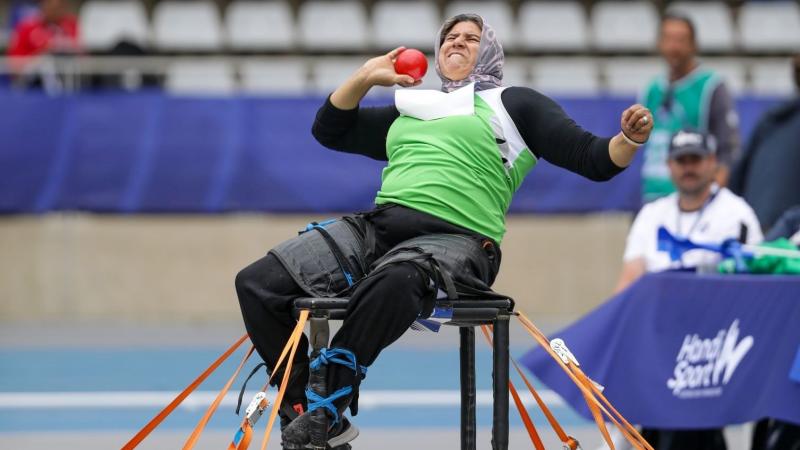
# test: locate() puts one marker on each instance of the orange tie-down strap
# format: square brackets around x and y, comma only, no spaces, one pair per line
[568,441]
[213,407]
[590,391]
[294,342]
[290,348]
[244,434]
[523,413]
[156,421]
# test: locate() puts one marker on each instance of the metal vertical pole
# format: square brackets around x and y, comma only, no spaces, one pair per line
[318,381]
[500,380]
[467,351]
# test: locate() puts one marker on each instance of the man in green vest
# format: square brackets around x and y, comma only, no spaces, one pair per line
[689,96]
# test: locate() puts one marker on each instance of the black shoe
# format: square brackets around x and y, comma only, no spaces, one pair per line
[339,436]
[297,435]
[290,411]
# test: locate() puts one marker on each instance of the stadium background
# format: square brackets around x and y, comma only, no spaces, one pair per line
[132,196]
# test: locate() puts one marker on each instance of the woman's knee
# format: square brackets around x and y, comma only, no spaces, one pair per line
[264,280]
[248,279]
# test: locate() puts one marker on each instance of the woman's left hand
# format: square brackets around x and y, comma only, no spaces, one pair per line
[637,123]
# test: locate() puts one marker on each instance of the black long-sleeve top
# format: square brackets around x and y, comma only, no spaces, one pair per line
[544,126]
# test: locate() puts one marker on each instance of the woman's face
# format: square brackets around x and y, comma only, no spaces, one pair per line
[459,51]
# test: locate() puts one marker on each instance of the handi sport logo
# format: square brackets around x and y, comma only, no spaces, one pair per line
[704,366]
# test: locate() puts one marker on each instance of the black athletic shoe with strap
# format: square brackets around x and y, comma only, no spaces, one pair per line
[338,436]
[341,384]
[297,435]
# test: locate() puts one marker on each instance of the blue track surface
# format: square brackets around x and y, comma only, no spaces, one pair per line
[171,369]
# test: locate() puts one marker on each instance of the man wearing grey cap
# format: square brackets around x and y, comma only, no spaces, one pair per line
[703,212]
[700,210]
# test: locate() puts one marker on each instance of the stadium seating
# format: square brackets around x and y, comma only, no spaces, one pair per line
[391,19]
[187,25]
[618,25]
[259,25]
[770,26]
[274,76]
[330,72]
[630,76]
[565,76]
[203,76]
[322,25]
[552,26]
[104,23]
[732,71]
[772,77]
[763,30]
[713,23]
[516,72]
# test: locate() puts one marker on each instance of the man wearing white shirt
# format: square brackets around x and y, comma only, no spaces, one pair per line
[704,213]
[700,211]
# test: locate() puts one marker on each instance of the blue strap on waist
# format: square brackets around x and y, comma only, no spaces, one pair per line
[322,224]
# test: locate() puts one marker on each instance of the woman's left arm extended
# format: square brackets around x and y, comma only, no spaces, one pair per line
[635,126]
[551,134]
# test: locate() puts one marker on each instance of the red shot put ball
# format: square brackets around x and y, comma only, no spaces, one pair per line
[411,62]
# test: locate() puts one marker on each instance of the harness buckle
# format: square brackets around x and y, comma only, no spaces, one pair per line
[560,348]
[256,408]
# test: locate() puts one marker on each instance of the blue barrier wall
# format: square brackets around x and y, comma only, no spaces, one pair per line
[149,152]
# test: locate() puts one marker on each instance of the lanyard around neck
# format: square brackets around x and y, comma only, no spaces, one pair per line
[701,211]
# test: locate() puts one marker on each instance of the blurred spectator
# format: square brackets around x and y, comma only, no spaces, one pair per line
[773,434]
[788,226]
[700,210]
[21,10]
[52,30]
[768,174]
[703,212]
[689,96]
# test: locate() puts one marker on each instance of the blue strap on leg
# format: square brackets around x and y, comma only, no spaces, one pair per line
[336,356]
[316,401]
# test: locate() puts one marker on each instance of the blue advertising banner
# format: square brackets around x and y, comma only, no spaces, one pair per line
[678,350]
[795,374]
[151,152]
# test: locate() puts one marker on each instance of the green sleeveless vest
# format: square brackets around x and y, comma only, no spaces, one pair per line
[683,104]
[454,169]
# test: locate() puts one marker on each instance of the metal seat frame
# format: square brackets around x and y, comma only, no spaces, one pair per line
[467,314]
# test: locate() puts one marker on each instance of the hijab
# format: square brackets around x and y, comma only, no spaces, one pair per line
[488,70]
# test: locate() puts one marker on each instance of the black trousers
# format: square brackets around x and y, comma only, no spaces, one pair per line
[381,308]
[708,439]
[772,434]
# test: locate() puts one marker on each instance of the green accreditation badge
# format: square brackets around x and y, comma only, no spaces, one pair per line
[655,172]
